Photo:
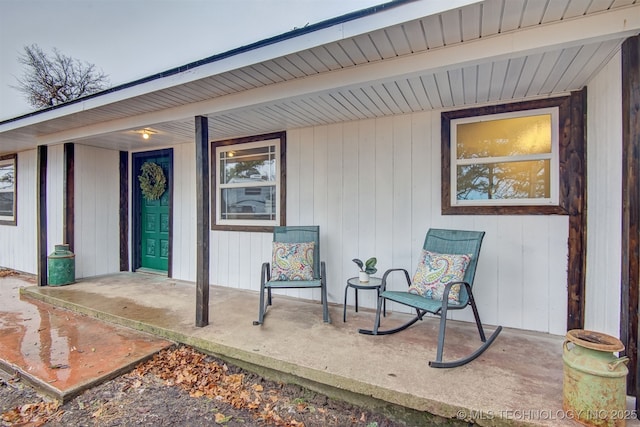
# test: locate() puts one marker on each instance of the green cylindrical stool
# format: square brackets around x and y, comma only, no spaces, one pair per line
[62,266]
[594,386]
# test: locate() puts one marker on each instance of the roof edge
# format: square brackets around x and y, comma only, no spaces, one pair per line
[296,32]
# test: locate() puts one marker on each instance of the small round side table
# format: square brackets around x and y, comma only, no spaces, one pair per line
[374,283]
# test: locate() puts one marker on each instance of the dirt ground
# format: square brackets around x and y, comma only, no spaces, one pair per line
[182,387]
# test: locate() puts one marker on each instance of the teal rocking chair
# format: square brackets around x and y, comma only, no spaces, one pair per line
[454,242]
[294,234]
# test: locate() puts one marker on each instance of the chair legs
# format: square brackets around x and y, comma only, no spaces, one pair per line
[325,305]
[263,281]
[438,363]
[323,291]
[376,325]
[263,308]
[265,288]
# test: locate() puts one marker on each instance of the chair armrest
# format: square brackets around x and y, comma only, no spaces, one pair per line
[447,289]
[383,287]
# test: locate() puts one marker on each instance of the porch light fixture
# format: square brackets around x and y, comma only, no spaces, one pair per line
[145,133]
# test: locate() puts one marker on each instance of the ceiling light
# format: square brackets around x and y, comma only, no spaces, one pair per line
[145,135]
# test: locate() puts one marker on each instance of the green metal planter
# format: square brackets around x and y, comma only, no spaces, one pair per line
[594,386]
[62,266]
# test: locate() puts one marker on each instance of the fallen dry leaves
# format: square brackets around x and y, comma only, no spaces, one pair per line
[197,374]
[5,272]
[201,376]
[32,414]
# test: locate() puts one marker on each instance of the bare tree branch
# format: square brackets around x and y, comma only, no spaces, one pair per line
[53,80]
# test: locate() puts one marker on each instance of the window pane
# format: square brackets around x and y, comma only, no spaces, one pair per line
[7,178]
[248,203]
[505,137]
[6,204]
[506,180]
[248,165]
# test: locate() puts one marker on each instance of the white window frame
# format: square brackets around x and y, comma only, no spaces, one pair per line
[4,161]
[554,198]
[219,186]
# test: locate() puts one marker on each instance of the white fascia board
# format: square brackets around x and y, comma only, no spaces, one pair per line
[375,21]
[401,14]
[617,24]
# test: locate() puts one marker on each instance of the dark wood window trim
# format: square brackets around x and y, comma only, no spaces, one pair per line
[13,157]
[573,163]
[565,145]
[283,175]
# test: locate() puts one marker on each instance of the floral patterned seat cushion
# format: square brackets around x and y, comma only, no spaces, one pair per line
[292,261]
[435,271]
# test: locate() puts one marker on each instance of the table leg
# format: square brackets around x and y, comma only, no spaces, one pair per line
[344,307]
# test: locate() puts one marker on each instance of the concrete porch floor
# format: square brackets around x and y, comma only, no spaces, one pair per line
[517,381]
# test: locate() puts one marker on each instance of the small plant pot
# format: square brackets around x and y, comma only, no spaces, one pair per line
[364,277]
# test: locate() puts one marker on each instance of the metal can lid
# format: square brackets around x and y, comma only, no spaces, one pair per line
[594,340]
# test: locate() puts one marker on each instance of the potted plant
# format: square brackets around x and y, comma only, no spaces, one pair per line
[366,268]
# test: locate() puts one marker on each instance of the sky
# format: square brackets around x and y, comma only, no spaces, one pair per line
[131,39]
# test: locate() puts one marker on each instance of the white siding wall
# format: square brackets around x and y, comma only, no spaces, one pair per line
[18,244]
[55,196]
[373,187]
[97,229]
[184,212]
[604,197]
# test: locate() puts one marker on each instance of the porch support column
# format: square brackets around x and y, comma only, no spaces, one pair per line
[41,209]
[202,215]
[68,203]
[576,164]
[124,211]
[630,210]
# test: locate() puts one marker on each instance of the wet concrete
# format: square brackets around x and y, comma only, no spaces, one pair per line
[517,381]
[61,352]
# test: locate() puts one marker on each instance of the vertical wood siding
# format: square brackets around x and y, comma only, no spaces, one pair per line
[97,230]
[184,212]
[604,196]
[373,187]
[18,244]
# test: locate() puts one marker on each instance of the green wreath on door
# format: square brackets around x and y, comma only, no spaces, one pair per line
[152,181]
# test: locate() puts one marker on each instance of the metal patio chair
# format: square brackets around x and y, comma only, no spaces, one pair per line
[287,241]
[464,247]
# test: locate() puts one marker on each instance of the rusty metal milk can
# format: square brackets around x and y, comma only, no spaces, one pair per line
[594,386]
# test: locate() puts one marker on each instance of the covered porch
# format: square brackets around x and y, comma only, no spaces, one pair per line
[517,381]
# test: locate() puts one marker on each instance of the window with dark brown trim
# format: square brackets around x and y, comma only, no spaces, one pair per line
[8,189]
[248,183]
[501,176]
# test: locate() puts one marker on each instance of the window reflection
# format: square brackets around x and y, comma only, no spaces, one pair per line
[509,158]
[247,183]
[7,189]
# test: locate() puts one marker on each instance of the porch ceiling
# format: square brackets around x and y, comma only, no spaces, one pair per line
[483,52]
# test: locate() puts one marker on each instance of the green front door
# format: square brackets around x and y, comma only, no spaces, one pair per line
[154,224]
